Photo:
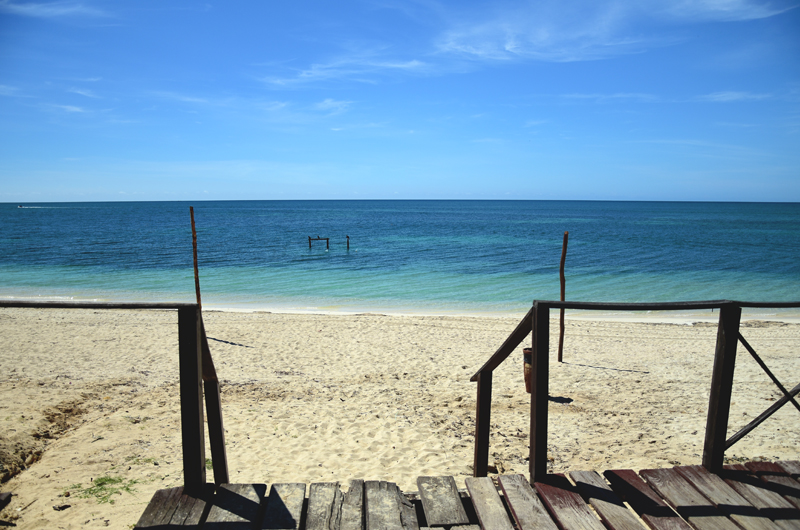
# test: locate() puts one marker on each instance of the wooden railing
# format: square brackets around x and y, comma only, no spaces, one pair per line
[197,374]
[537,321]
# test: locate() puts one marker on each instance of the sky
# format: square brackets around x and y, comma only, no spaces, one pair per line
[691,100]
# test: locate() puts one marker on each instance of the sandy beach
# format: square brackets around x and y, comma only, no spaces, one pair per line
[89,409]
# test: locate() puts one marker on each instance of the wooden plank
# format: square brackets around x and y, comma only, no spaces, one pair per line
[353,507]
[488,505]
[565,505]
[324,506]
[525,506]
[460,527]
[160,508]
[236,506]
[441,501]
[719,401]
[778,479]
[759,495]
[687,501]
[792,467]
[651,508]
[726,499]
[606,503]
[190,509]
[284,507]
[408,514]
[382,511]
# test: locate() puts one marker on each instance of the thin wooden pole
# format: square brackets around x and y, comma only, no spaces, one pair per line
[563,294]
[194,250]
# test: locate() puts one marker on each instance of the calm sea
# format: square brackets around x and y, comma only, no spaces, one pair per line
[434,257]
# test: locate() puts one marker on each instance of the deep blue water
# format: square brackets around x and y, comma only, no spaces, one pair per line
[417,256]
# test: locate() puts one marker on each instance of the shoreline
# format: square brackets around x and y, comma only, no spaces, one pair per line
[784,315]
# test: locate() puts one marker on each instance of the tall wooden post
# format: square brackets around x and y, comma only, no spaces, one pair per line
[719,402]
[480,463]
[563,297]
[540,392]
[191,389]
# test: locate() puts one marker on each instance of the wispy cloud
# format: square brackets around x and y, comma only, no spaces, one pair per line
[83,92]
[622,96]
[581,30]
[363,67]
[723,10]
[181,97]
[68,108]
[6,90]
[49,9]
[731,97]
[332,106]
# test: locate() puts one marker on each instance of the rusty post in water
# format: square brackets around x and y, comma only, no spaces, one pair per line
[563,293]
[194,248]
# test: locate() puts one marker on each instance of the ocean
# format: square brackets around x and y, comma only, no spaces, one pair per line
[421,257]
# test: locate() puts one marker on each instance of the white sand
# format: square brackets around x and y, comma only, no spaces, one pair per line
[87,394]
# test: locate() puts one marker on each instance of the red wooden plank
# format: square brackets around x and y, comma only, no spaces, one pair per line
[605,502]
[792,467]
[651,508]
[565,505]
[726,499]
[757,492]
[778,479]
[686,500]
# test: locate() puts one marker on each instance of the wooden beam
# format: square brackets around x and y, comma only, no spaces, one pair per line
[539,392]
[515,339]
[719,402]
[191,392]
[483,412]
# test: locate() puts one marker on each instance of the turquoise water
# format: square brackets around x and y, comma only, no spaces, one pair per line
[435,257]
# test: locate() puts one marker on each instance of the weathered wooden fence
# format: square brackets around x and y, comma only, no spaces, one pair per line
[196,375]
[537,321]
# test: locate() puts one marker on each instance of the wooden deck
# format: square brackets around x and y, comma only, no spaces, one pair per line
[753,496]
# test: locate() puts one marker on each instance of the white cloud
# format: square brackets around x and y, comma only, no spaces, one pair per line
[82,92]
[729,97]
[68,108]
[333,106]
[49,9]
[580,30]
[723,10]
[6,90]
[612,97]
[362,67]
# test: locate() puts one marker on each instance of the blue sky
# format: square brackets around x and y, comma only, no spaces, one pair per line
[385,99]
